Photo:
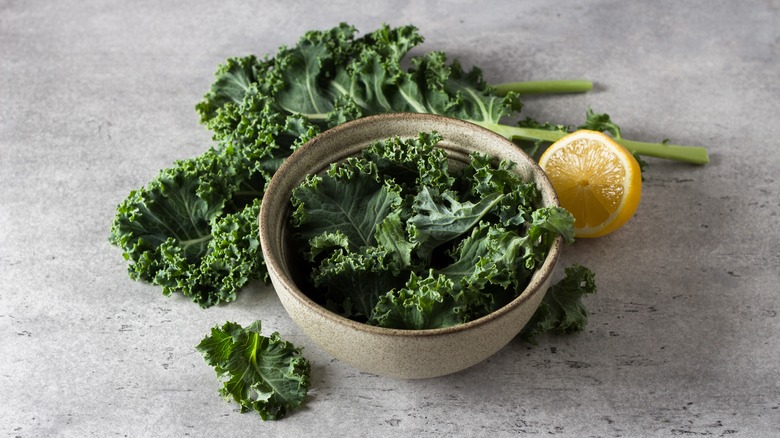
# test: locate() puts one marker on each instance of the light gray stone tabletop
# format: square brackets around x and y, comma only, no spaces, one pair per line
[97,96]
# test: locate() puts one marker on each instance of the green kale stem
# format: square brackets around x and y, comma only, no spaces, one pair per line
[687,154]
[544,87]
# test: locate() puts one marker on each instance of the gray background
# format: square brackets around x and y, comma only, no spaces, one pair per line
[97,96]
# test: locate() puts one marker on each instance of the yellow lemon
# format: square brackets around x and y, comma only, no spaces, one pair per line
[596,179]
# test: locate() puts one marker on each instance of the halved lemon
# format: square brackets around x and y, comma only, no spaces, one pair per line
[596,179]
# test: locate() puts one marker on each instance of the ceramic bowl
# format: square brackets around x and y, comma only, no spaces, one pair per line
[392,352]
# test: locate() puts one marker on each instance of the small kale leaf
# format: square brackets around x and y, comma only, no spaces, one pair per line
[264,374]
[600,122]
[391,235]
[561,310]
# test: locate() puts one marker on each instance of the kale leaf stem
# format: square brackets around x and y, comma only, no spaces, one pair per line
[687,154]
[543,87]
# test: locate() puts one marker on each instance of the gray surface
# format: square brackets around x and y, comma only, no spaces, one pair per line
[96,97]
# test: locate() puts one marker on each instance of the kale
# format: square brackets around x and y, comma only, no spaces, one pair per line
[415,256]
[264,374]
[192,229]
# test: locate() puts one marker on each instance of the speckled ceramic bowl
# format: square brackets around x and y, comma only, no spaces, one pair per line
[382,351]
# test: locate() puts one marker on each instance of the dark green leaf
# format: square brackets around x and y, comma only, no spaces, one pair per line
[325,243]
[424,303]
[562,310]
[391,235]
[233,79]
[440,218]
[264,374]
[411,162]
[349,203]
[600,122]
[354,281]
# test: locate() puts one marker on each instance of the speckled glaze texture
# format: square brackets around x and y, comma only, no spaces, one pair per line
[389,352]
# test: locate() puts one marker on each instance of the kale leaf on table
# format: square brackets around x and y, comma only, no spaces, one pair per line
[193,229]
[333,76]
[562,310]
[264,374]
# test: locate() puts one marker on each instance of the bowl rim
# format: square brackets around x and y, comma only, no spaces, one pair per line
[537,279]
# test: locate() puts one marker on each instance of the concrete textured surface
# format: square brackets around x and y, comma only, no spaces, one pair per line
[97,96]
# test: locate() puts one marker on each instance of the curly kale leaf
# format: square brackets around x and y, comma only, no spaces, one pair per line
[600,122]
[411,162]
[329,76]
[562,310]
[234,257]
[483,177]
[350,221]
[423,303]
[352,203]
[351,282]
[449,89]
[441,217]
[496,258]
[302,68]
[233,80]
[391,235]
[325,243]
[264,374]
[192,229]
[165,229]
[332,76]
[259,132]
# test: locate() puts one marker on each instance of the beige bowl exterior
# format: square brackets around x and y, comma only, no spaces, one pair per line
[407,354]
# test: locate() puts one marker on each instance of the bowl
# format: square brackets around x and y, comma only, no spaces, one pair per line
[406,354]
